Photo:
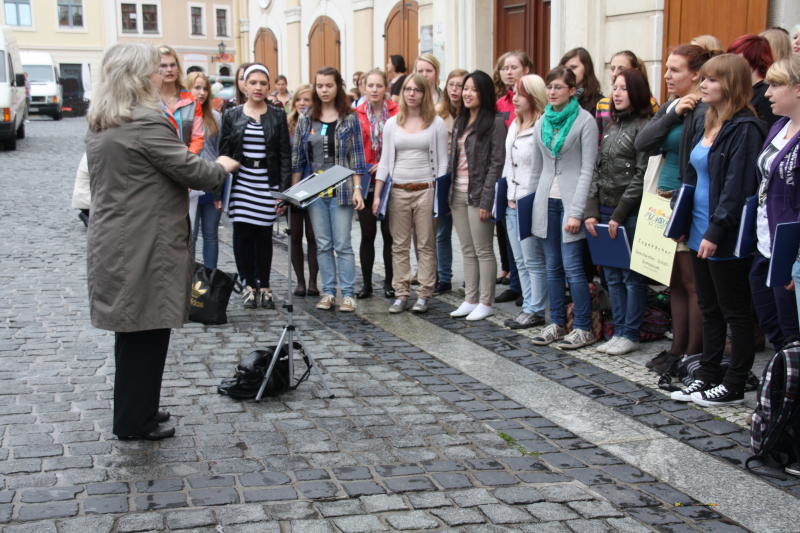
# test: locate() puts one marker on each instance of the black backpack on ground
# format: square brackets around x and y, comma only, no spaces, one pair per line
[776,422]
[250,372]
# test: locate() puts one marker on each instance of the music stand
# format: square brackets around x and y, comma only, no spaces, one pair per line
[302,194]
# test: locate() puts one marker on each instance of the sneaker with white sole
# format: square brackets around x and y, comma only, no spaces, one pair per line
[480,312]
[685,394]
[719,395]
[265,299]
[549,334]
[420,306]
[524,320]
[463,310]
[622,346]
[577,338]
[326,303]
[348,305]
[249,298]
[793,469]
[606,345]
[399,305]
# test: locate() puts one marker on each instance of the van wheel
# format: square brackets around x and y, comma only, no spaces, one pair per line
[21,131]
[11,143]
[58,115]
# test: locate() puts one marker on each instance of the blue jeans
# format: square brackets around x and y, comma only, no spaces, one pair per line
[207,220]
[444,248]
[565,258]
[628,291]
[332,223]
[796,279]
[530,263]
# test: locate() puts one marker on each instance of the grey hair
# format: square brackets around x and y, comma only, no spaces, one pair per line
[124,84]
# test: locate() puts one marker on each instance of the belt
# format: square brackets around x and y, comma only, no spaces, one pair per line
[665,194]
[253,163]
[413,186]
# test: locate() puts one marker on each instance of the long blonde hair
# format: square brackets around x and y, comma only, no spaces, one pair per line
[426,109]
[446,108]
[166,50]
[733,74]
[779,42]
[124,84]
[294,113]
[532,88]
[209,124]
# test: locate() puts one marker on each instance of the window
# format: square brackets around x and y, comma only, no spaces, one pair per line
[222,22]
[130,22]
[70,13]
[149,18]
[197,20]
[18,12]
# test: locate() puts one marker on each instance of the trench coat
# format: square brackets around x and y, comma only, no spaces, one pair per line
[139,263]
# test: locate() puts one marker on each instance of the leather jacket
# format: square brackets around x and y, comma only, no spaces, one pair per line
[276,136]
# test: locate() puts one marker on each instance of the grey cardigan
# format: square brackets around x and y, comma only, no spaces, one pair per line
[574,167]
[437,151]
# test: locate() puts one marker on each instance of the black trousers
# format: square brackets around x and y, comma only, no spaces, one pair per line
[252,249]
[776,308]
[723,293]
[139,358]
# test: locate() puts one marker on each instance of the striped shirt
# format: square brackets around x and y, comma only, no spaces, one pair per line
[251,197]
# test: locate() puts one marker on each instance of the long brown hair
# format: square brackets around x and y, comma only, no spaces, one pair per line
[524,59]
[209,124]
[240,96]
[446,108]
[341,101]
[294,113]
[426,109]
[733,74]
[590,84]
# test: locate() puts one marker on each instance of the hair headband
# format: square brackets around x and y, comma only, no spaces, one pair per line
[254,68]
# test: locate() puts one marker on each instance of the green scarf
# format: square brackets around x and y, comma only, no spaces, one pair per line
[556,125]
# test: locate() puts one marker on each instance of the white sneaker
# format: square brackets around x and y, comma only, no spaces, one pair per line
[623,345]
[603,348]
[463,310]
[577,338]
[480,312]
[685,394]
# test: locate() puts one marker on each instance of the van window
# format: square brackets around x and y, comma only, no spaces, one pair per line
[40,73]
[3,77]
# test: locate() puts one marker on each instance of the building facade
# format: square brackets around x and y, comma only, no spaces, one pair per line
[295,37]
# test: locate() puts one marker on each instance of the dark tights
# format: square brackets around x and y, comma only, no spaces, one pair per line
[687,319]
[369,230]
[298,222]
[252,249]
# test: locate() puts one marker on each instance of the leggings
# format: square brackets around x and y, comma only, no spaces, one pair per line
[366,251]
[252,249]
[300,221]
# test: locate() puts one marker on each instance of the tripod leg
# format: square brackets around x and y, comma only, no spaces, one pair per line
[322,379]
[275,356]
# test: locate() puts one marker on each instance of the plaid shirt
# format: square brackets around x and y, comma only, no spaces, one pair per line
[349,151]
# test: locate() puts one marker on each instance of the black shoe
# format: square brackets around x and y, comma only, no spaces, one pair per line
[312,292]
[388,292]
[507,296]
[518,302]
[664,354]
[156,434]
[161,416]
[84,216]
[442,286]
[365,292]
[662,366]
[265,299]
[300,292]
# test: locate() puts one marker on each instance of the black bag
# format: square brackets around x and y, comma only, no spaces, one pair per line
[211,290]
[250,372]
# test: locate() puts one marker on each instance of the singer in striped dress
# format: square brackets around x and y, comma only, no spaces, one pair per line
[256,134]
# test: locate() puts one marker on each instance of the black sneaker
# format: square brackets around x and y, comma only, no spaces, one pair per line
[265,299]
[249,298]
[442,286]
[719,395]
[524,320]
[660,357]
[793,469]
[519,301]
[685,394]
[507,296]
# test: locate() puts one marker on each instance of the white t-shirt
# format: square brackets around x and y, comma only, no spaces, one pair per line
[765,160]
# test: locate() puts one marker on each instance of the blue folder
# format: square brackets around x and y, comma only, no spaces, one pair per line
[785,242]
[681,219]
[500,200]
[525,216]
[746,239]
[441,196]
[610,252]
[384,204]
[366,179]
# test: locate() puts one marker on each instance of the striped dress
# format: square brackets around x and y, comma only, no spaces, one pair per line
[251,197]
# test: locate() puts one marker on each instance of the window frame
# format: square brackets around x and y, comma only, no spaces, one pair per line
[18,3]
[140,31]
[189,7]
[228,29]
[70,15]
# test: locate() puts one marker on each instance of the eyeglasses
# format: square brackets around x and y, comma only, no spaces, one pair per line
[556,88]
[410,90]
[455,85]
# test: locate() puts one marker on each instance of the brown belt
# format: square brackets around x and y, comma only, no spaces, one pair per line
[665,194]
[413,186]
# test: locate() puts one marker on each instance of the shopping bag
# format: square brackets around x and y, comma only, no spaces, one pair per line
[211,290]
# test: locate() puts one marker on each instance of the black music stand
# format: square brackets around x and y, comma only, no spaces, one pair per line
[301,194]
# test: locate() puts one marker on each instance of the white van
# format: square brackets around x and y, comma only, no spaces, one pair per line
[46,93]
[13,95]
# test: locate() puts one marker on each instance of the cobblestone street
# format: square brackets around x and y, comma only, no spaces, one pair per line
[436,424]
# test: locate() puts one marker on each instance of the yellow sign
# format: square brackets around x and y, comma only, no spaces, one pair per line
[652,254]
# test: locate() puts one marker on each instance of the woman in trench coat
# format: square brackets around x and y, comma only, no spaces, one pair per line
[139,263]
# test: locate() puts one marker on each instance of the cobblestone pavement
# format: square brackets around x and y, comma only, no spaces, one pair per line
[420,435]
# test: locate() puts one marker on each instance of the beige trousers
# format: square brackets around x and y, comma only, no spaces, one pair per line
[477,247]
[411,214]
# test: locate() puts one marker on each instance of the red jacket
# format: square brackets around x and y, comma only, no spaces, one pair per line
[369,155]
[505,105]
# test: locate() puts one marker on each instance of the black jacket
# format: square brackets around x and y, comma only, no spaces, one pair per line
[733,174]
[276,135]
[485,159]
[652,136]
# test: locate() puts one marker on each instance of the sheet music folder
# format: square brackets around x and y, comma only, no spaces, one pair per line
[306,190]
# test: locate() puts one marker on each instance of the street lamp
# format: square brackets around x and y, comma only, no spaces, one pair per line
[221,48]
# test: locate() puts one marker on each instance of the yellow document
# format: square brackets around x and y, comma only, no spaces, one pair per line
[652,254]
